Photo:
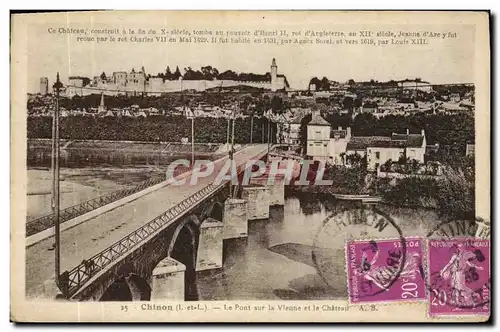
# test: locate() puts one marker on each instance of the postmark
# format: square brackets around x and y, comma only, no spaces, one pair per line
[362,223]
[459,276]
[372,267]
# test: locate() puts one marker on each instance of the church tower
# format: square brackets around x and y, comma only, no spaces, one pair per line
[101,108]
[274,76]
[44,85]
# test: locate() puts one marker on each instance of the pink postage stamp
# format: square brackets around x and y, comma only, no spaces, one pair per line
[459,277]
[385,270]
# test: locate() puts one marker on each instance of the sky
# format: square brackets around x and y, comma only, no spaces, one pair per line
[442,61]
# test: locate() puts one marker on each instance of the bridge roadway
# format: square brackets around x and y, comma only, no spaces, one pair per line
[91,237]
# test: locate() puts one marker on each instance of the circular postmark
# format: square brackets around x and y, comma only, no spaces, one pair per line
[458,273]
[363,250]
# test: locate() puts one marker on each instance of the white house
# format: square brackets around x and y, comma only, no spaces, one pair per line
[379,149]
[294,130]
[338,144]
[329,145]
[318,137]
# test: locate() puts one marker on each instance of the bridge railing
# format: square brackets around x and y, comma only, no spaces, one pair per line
[72,281]
[47,221]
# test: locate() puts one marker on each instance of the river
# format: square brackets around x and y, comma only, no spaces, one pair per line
[275,261]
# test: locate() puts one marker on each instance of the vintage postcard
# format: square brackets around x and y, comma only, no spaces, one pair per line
[250,166]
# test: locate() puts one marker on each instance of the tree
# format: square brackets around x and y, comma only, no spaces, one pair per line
[103,76]
[168,74]
[413,166]
[456,195]
[348,103]
[228,75]
[208,72]
[356,160]
[316,82]
[358,103]
[342,156]
[277,104]
[177,73]
[325,84]
[387,166]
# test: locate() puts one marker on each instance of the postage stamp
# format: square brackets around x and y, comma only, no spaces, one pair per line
[372,267]
[360,223]
[459,276]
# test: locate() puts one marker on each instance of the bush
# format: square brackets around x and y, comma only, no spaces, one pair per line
[409,191]
[456,195]
[453,193]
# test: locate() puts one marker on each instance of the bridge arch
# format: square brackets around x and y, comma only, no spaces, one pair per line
[139,287]
[128,288]
[183,248]
[216,211]
[119,290]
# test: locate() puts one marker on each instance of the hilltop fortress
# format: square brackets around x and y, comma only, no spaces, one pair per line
[138,82]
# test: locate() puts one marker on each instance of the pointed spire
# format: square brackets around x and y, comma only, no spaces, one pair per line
[273,64]
[57,83]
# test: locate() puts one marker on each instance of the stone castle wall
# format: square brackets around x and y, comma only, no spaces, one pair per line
[158,86]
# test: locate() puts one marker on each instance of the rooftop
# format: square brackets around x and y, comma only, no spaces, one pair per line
[318,120]
[362,142]
[394,141]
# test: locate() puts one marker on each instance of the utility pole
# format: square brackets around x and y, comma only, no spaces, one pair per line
[263,131]
[228,129]
[231,151]
[192,141]
[232,134]
[251,129]
[268,135]
[159,150]
[55,179]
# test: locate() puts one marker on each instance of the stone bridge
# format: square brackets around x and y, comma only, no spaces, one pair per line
[158,257]
[164,266]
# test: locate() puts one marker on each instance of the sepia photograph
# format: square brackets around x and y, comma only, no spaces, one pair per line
[250,166]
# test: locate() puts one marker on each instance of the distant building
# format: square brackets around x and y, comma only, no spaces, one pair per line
[44,85]
[470,149]
[332,146]
[291,129]
[415,85]
[407,145]
[454,97]
[138,82]
[318,137]
[338,144]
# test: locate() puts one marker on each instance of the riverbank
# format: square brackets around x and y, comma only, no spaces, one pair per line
[95,153]
[327,191]
[79,185]
[331,191]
